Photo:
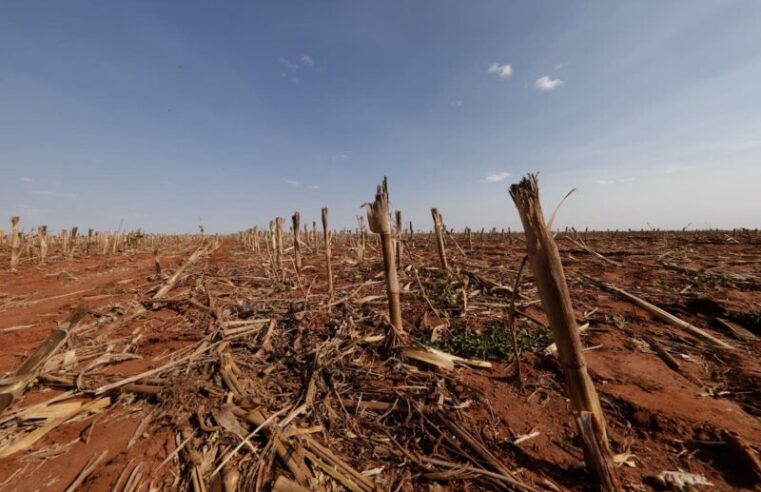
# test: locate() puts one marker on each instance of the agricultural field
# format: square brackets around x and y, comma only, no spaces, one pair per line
[380,358]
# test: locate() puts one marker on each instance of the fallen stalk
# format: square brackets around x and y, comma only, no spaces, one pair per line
[27,372]
[661,314]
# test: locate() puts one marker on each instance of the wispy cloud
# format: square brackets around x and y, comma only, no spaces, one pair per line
[457,103]
[547,83]
[53,194]
[25,179]
[294,65]
[307,60]
[287,63]
[342,156]
[298,184]
[503,71]
[495,177]
[610,182]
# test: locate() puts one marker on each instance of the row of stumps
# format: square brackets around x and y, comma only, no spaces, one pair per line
[67,240]
[547,269]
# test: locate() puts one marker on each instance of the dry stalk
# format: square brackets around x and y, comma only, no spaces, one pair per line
[255,237]
[296,243]
[437,227]
[663,315]
[380,223]
[15,242]
[362,238]
[103,239]
[29,249]
[74,231]
[117,238]
[284,484]
[90,466]
[231,479]
[511,321]
[279,242]
[550,280]
[399,235]
[65,241]
[272,240]
[326,237]
[157,261]
[292,456]
[89,241]
[164,290]
[42,232]
[454,241]
[28,371]
[591,251]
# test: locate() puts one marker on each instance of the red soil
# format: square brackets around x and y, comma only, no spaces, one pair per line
[665,419]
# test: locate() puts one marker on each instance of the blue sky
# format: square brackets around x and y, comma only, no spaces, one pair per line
[167,113]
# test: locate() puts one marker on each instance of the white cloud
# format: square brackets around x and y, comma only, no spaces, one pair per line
[495,177]
[546,83]
[293,183]
[341,157]
[313,187]
[25,179]
[457,103]
[502,71]
[294,65]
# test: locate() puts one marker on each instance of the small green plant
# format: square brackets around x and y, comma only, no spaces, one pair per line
[532,339]
[442,294]
[465,342]
[494,343]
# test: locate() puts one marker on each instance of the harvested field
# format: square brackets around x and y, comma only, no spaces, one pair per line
[246,372]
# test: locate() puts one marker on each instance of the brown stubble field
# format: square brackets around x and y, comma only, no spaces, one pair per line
[242,374]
